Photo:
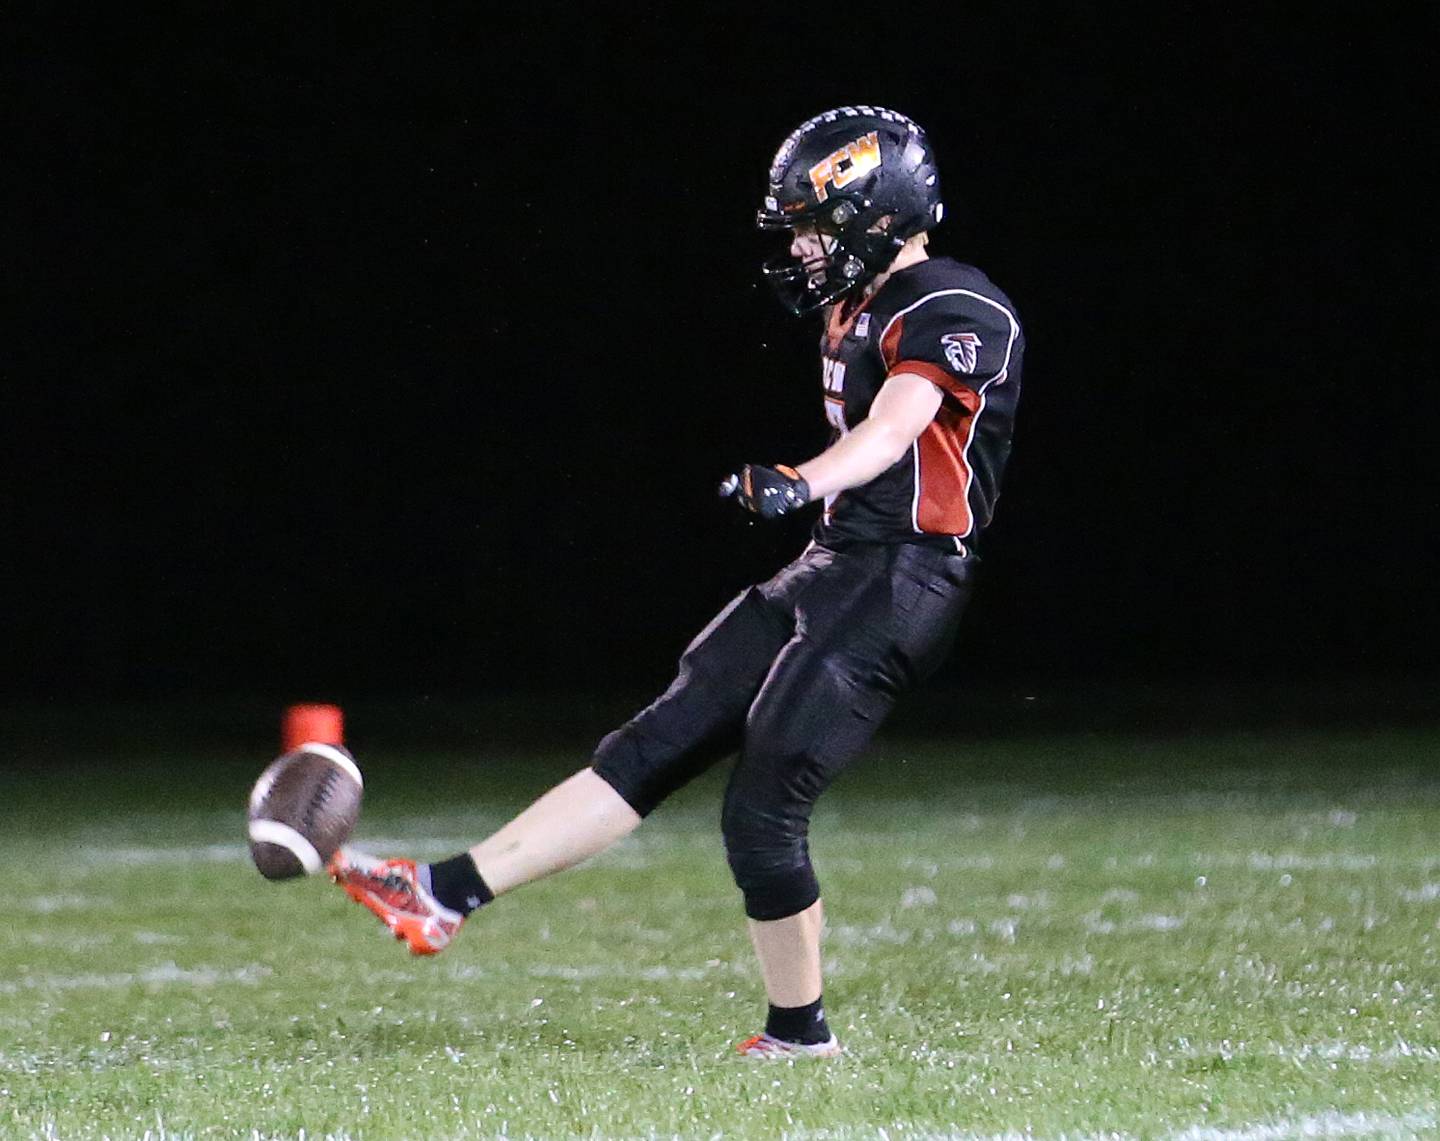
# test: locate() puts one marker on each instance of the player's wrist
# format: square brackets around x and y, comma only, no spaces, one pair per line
[767,491]
[814,478]
[799,485]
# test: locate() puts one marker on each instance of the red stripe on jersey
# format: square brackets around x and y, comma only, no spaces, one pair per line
[936,375]
[942,495]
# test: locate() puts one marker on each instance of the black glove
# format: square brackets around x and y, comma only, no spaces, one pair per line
[767,491]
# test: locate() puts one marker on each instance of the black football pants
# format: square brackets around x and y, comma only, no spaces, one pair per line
[797,674]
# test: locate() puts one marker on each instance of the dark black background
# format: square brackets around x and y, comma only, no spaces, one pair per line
[356,354]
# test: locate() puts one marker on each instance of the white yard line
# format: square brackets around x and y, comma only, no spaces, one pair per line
[1292,861]
[1327,1051]
[49,904]
[165,974]
[1331,1123]
[137,856]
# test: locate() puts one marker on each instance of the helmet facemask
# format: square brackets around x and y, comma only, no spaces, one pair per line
[855,247]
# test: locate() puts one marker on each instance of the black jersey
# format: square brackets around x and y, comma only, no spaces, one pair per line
[947,322]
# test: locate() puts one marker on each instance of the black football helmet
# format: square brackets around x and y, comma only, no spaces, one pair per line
[865,178]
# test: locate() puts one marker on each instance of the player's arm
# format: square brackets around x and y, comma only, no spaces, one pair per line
[902,408]
[905,403]
[953,345]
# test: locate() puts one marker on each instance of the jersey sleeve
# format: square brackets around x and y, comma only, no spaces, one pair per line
[957,339]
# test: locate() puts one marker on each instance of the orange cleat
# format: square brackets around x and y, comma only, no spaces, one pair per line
[764,1046]
[392,890]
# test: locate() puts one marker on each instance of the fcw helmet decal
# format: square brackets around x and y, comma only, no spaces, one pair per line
[960,350]
[854,160]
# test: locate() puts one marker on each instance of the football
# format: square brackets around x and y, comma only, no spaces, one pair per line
[302,809]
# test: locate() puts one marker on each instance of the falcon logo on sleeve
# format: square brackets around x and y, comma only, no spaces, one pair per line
[961,350]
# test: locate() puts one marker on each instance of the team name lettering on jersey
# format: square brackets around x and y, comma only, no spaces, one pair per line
[857,157]
[832,376]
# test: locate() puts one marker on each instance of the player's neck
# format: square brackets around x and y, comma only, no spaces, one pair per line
[911,253]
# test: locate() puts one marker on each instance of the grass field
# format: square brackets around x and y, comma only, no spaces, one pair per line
[1229,938]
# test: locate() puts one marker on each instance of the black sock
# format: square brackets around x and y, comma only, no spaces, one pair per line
[805,1024]
[456,883]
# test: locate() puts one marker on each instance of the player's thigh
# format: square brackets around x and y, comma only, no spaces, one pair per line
[699,718]
[810,719]
[871,633]
[929,592]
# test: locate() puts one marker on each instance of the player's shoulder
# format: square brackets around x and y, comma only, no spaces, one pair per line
[942,287]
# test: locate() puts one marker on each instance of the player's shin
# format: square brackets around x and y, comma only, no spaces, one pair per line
[577,819]
[789,954]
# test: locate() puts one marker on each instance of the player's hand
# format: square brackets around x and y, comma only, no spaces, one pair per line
[767,491]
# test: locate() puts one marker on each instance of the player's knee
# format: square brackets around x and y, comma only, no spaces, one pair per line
[625,764]
[698,718]
[775,882]
[769,857]
[667,745]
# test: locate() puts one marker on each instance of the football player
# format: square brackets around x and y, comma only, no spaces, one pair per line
[920,370]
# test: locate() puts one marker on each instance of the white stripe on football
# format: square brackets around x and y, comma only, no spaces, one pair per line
[273,832]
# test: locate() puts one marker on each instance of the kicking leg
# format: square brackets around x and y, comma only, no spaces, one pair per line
[694,723]
[424,904]
[577,819]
